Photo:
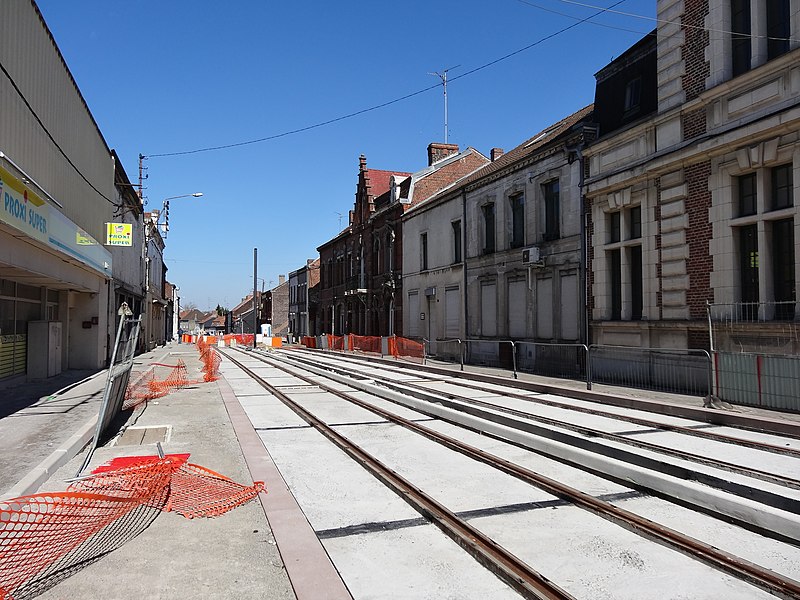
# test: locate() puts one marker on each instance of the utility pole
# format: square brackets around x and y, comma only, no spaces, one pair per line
[255,292]
[142,177]
[443,77]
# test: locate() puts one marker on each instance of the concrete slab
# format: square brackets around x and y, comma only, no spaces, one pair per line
[606,561]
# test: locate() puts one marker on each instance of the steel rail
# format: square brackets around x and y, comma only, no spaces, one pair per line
[731,564]
[505,565]
[754,473]
[720,437]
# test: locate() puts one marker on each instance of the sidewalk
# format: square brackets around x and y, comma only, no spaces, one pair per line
[231,556]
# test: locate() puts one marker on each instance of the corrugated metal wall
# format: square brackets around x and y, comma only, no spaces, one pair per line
[29,54]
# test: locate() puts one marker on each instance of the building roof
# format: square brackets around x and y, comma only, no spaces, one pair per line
[526,149]
[380,181]
[192,314]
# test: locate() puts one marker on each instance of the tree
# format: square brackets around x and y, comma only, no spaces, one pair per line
[188,305]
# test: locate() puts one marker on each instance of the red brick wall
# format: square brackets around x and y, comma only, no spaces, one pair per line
[694,48]
[693,123]
[700,261]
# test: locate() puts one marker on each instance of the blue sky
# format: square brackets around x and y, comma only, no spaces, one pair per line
[163,77]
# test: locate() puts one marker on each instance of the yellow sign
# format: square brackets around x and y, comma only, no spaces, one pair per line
[119,234]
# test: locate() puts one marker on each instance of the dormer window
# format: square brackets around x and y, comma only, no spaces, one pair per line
[633,96]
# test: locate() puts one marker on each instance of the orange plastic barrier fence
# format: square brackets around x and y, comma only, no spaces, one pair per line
[309,341]
[364,343]
[399,346]
[335,342]
[44,538]
[245,339]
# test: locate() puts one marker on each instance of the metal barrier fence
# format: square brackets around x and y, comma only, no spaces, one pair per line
[118,374]
[662,369]
[756,351]
[680,371]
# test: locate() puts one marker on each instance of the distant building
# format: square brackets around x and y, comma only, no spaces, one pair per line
[361,287]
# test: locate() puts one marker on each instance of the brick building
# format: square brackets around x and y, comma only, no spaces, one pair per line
[693,183]
[361,283]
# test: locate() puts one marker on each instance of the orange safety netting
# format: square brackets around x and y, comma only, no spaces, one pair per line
[46,537]
[335,342]
[364,343]
[148,386]
[309,341]
[399,346]
[211,362]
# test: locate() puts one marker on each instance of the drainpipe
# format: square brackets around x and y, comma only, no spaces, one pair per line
[464,260]
[584,266]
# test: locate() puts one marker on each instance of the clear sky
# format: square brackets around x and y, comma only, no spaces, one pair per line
[162,77]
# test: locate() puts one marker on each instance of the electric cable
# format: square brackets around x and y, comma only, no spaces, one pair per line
[668,22]
[383,104]
[52,139]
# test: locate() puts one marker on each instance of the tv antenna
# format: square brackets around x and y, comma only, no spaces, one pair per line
[443,77]
[340,218]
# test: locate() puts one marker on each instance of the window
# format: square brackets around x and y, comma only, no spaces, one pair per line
[747,195]
[636,282]
[782,188]
[488,228]
[778,28]
[625,291]
[765,245]
[614,227]
[635,222]
[740,36]
[783,269]
[633,96]
[423,251]
[456,241]
[517,220]
[615,261]
[748,268]
[551,210]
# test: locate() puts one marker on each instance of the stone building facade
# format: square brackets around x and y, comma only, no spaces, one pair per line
[497,256]
[695,200]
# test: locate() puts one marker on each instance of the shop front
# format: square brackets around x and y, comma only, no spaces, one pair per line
[54,285]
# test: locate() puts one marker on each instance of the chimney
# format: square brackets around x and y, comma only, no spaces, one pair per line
[496,153]
[281,279]
[437,151]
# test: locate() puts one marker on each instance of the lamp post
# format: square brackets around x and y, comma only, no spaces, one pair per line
[165,209]
[151,225]
[178,310]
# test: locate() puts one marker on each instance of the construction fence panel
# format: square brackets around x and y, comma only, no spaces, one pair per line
[763,380]
[671,370]
[563,361]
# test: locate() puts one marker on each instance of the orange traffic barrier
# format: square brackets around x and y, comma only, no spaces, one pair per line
[364,343]
[45,538]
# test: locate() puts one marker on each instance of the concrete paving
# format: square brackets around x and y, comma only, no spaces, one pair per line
[45,424]
[231,556]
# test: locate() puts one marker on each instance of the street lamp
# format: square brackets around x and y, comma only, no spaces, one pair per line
[151,225]
[165,210]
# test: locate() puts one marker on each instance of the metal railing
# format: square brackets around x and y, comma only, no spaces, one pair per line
[677,370]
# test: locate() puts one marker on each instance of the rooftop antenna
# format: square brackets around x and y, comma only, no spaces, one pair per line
[340,218]
[443,77]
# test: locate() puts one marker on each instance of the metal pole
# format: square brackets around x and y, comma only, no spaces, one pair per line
[178,302]
[514,357]
[255,293]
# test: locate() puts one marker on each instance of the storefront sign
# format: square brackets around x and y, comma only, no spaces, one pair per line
[22,209]
[119,234]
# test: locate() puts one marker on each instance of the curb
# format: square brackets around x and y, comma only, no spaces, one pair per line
[45,469]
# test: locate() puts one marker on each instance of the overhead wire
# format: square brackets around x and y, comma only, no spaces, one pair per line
[669,22]
[52,139]
[383,104]
[600,10]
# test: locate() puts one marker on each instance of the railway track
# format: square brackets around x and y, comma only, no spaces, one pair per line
[623,448]
[527,581]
